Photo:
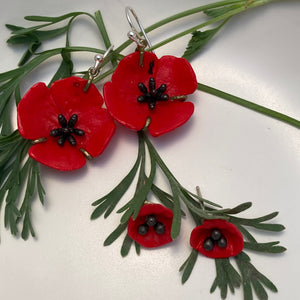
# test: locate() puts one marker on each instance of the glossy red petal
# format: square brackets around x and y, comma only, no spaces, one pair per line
[128,73]
[124,107]
[71,99]
[167,116]
[99,128]
[152,239]
[37,112]
[65,158]
[177,74]
[235,242]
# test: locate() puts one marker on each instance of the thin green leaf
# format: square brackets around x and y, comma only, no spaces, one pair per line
[52,19]
[269,227]
[137,248]
[240,208]
[270,247]
[126,245]
[29,52]
[65,69]
[115,234]
[216,12]
[50,34]
[250,105]
[188,266]
[176,223]
[100,23]
[199,40]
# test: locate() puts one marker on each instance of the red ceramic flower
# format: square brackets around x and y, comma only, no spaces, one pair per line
[152,227]
[138,93]
[217,239]
[69,121]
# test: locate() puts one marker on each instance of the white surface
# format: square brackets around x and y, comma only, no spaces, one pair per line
[234,154]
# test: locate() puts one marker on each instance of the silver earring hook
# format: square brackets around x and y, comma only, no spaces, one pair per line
[94,71]
[134,33]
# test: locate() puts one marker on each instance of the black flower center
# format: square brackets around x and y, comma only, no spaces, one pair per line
[152,94]
[67,130]
[216,237]
[151,221]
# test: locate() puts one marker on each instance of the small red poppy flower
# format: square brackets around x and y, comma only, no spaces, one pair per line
[217,239]
[152,227]
[155,91]
[67,123]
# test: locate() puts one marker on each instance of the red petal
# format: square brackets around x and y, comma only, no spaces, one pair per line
[235,242]
[167,116]
[37,113]
[128,73]
[177,74]
[152,239]
[99,128]
[65,158]
[124,107]
[71,99]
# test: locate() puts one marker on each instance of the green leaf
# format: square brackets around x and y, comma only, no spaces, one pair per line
[252,277]
[269,227]
[176,223]
[216,12]
[199,40]
[240,208]
[250,105]
[65,69]
[270,247]
[115,234]
[126,245]
[50,34]
[188,265]
[110,200]
[100,23]
[226,277]
[29,52]
[52,19]
[137,248]
[165,198]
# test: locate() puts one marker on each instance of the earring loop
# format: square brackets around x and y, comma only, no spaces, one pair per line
[94,71]
[129,10]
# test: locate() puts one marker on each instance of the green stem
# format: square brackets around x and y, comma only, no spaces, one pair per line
[211,21]
[250,105]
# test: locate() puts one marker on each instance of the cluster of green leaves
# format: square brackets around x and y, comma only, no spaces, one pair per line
[144,187]
[227,277]
[17,171]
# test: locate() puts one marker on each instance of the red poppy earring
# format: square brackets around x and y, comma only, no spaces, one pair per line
[153,90]
[65,122]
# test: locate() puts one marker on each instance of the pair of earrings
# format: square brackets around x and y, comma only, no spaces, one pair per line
[67,123]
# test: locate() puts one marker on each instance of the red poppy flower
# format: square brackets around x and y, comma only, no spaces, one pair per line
[66,121]
[154,91]
[217,239]
[152,227]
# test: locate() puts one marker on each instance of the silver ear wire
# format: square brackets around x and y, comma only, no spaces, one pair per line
[141,41]
[94,71]
[131,11]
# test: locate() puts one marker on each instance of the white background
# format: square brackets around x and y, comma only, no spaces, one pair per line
[234,154]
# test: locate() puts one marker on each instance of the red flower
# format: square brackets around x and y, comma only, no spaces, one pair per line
[138,93]
[217,239]
[67,120]
[152,227]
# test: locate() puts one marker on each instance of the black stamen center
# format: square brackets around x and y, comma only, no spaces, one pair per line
[67,130]
[152,94]
[215,237]
[151,221]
